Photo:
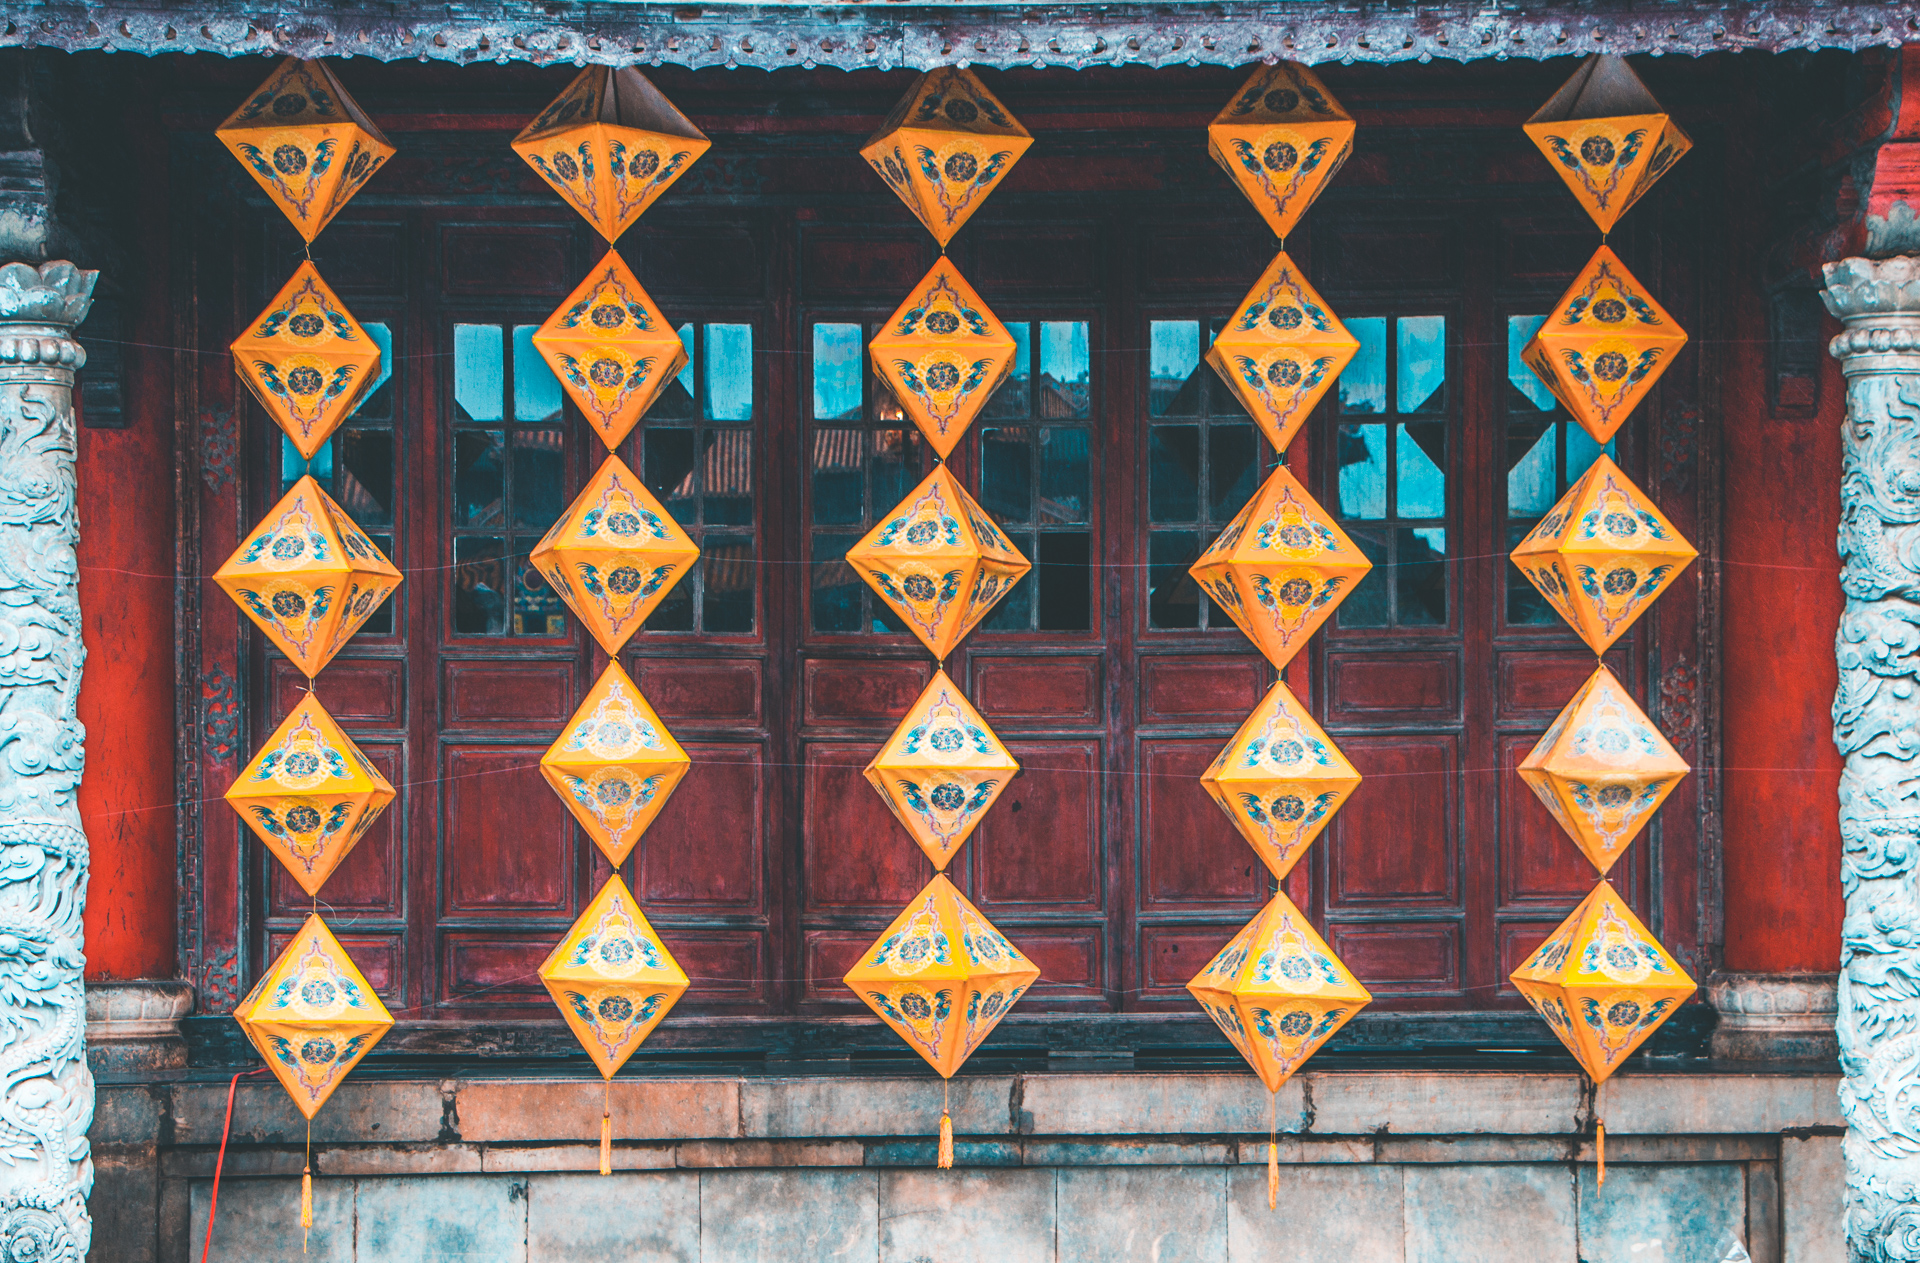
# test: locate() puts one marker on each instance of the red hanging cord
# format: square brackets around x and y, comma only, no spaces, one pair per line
[213,1201]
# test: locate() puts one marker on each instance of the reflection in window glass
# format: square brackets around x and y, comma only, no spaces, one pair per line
[1368,604]
[539,469]
[1064,478]
[481,599]
[1064,562]
[838,361]
[1173,598]
[726,477]
[666,466]
[1520,331]
[1173,473]
[375,404]
[836,588]
[729,370]
[1011,401]
[727,576]
[686,371]
[1421,372]
[364,482]
[1420,453]
[479,478]
[537,608]
[1064,369]
[839,472]
[1420,575]
[479,371]
[1006,473]
[1173,355]
[536,391]
[1363,383]
[294,467]
[1363,471]
[1530,480]
[1232,463]
[1582,451]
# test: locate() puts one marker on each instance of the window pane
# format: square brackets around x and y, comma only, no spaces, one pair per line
[729,371]
[294,467]
[1173,473]
[1363,383]
[726,475]
[1009,403]
[1421,374]
[1366,605]
[537,608]
[377,406]
[1520,331]
[539,469]
[726,599]
[836,589]
[1064,478]
[666,466]
[1063,369]
[1531,489]
[479,478]
[1420,577]
[1232,465]
[1173,385]
[675,611]
[1582,451]
[1525,606]
[1014,613]
[837,365]
[479,373]
[1006,473]
[1363,471]
[480,594]
[1173,598]
[839,470]
[1065,571]
[1420,456]
[364,482]
[676,401]
[896,466]
[536,391]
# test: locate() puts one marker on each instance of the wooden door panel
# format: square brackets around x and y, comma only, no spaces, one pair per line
[1191,855]
[1537,685]
[1071,961]
[705,691]
[858,858]
[1194,690]
[724,968]
[364,258]
[488,691]
[1016,258]
[1222,255]
[525,260]
[826,956]
[370,882]
[1039,844]
[1052,690]
[1171,955]
[487,967]
[705,848]
[380,956]
[508,848]
[877,263]
[1402,256]
[1518,941]
[1396,840]
[1539,863]
[1407,958]
[1404,688]
[838,691]
[353,691]
[675,255]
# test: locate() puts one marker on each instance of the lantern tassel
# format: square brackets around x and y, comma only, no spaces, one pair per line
[1600,1131]
[1273,1152]
[306,1190]
[946,1129]
[606,1129]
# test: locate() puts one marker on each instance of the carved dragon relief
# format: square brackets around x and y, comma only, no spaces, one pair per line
[46,1091]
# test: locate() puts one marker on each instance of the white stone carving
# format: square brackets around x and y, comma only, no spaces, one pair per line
[46,1090]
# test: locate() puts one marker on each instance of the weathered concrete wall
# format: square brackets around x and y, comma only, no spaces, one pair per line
[1376,1166]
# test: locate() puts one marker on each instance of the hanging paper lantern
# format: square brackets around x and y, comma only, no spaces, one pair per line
[308,576]
[1602,555]
[941,770]
[306,142]
[1280,780]
[611,349]
[1280,568]
[1603,769]
[309,794]
[312,1016]
[1607,137]
[307,360]
[1603,983]
[1281,351]
[615,765]
[612,977]
[939,561]
[943,354]
[614,555]
[1603,346]
[1278,992]
[610,145]
[948,143]
[1280,141]
[941,976]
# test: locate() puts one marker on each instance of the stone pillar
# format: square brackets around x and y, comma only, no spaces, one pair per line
[46,1090]
[1773,1017]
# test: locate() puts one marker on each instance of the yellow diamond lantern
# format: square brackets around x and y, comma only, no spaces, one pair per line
[1280,568]
[1602,982]
[1602,769]
[948,143]
[1280,780]
[939,561]
[941,769]
[1281,351]
[612,977]
[615,764]
[312,1016]
[1278,992]
[611,349]
[307,360]
[306,143]
[1603,346]
[614,555]
[943,353]
[941,976]
[1607,137]
[610,144]
[309,794]
[1281,140]
[1602,555]
[308,576]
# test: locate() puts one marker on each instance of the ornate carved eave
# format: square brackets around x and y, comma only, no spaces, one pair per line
[855,36]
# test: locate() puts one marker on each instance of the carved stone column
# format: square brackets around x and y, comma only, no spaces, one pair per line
[46,1090]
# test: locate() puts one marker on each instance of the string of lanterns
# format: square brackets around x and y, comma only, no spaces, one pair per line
[1600,557]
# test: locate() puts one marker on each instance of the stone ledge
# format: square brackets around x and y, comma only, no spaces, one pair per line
[133,1028]
[1775,1017]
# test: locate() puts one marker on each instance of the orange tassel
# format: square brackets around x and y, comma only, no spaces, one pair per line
[306,1207]
[606,1144]
[946,1140]
[1600,1130]
[1273,1176]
